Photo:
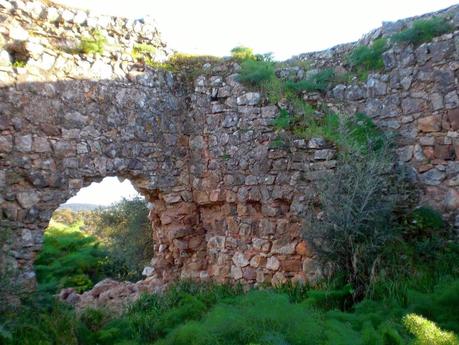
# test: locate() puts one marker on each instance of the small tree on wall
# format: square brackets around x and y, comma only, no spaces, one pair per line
[352,217]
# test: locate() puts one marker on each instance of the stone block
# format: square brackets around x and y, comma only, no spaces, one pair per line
[430,124]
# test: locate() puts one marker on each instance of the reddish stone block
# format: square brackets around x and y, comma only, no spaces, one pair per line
[303,249]
[444,152]
[430,123]
[291,265]
[453,118]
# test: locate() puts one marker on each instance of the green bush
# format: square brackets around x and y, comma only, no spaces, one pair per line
[94,44]
[144,52]
[69,258]
[427,333]
[190,313]
[242,53]
[317,82]
[423,30]
[364,59]
[126,234]
[358,204]
[253,72]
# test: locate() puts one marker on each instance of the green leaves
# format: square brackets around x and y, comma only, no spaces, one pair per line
[423,30]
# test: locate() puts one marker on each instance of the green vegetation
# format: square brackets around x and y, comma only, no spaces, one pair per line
[256,72]
[144,52]
[364,59]
[423,30]
[319,81]
[111,242]
[69,258]
[19,63]
[242,53]
[207,314]
[427,333]
[126,235]
[94,44]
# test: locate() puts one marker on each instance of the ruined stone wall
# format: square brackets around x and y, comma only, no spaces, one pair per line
[225,203]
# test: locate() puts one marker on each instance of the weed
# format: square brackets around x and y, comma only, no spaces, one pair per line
[253,72]
[94,44]
[317,82]
[144,52]
[19,63]
[423,30]
[364,59]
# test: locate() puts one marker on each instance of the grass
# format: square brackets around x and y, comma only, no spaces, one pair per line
[364,59]
[206,313]
[423,30]
[94,44]
[144,52]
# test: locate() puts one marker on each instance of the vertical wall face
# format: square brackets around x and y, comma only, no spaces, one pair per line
[226,203]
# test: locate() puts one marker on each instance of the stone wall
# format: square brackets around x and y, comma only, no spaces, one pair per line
[225,203]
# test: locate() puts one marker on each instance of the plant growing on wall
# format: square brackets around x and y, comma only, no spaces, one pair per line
[423,30]
[94,44]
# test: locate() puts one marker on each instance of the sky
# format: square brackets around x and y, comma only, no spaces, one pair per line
[284,28]
[104,193]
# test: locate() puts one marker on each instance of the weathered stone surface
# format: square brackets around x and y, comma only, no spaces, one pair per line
[429,124]
[453,118]
[272,263]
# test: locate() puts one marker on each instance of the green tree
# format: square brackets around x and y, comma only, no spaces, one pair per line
[125,231]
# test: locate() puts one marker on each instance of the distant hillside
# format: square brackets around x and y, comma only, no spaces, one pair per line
[79,207]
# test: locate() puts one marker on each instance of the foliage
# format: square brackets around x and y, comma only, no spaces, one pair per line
[126,234]
[19,63]
[242,53]
[68,258]
[66,216]
[317,82]
[52,324]
[144,52]
[94,44]
[191,313]
[368,58]
[427,333]
[423,30]
[283,120]
[357,206]
[255,72]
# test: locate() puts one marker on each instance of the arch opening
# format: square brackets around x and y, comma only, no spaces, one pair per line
[101,232]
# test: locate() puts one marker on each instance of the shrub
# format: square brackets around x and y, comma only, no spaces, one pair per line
[423,30]
[357,204]
[144,52]
[427,333]
[283,120]
[125,231]
[94,44]
[368,58]
[242,53]
[68,258]
[317,82]
[66,216]
[253,72]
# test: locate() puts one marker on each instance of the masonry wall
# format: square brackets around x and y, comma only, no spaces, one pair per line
[225,204]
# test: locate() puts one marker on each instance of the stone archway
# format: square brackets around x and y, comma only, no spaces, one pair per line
[59,137]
